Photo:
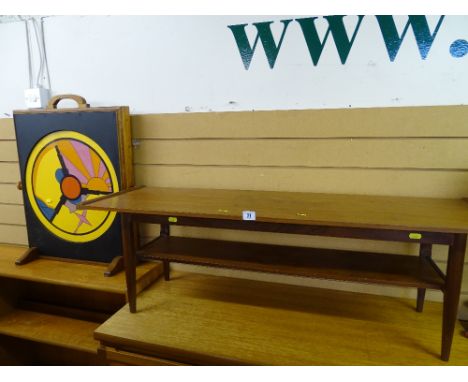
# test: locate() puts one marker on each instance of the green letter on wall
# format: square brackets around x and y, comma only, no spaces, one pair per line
[264,34]
[339,34]
[393,41]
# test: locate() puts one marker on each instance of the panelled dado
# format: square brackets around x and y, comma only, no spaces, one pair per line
[440,121]
[402,182]
[418,153]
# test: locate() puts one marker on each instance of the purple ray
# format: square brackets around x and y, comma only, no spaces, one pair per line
[102,169]
[74,171]
[85,155]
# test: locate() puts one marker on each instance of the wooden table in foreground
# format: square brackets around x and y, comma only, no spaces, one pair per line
[426,221]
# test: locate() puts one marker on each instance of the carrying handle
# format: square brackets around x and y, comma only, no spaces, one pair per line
[53,102]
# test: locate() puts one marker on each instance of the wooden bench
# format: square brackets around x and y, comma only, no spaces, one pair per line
[49,309]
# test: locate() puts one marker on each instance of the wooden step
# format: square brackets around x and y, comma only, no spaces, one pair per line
[399,270]
[71,274]
[211,320]
[50,329]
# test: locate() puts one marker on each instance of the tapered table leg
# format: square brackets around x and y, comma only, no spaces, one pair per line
[420,299]
[425,250]
[166,231]
[129,252]
[167,270]
[453,281]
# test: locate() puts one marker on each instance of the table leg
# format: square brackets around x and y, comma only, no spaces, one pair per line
[129,259]
[456,258]
[425,250]
[166,231]
[167,270]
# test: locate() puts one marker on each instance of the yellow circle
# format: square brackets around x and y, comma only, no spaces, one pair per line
[57,158]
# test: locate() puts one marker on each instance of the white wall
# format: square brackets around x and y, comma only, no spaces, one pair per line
[172,64]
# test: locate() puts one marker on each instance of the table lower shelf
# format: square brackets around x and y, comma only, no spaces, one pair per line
[375,268]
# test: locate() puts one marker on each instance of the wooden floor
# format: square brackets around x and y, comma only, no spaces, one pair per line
[218,320]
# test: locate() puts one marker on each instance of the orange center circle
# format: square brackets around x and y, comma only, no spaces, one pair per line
[71,187]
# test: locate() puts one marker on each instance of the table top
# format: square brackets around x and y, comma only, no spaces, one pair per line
[205,319]
[338,210]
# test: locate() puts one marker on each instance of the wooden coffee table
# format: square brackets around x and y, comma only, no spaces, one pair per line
[426,221]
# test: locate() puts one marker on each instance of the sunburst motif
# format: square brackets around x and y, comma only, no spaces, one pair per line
[64,172]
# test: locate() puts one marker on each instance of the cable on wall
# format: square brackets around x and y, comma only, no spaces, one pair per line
[41,55]
[46,64]
[28,44]
[38,94]
[40,40]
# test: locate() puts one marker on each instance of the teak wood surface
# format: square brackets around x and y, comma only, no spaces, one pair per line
[423,220]
[363,211]
[211,320]
[70,274]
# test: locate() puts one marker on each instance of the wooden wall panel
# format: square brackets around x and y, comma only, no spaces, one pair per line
[12,214]
[12,220]
[13,234]
[9,194]
[9,172]
[375,122]
[387,153]
[8,151]
[7,128]
[449,184]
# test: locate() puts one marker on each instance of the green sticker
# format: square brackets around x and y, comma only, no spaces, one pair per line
[415,236]
[172,219]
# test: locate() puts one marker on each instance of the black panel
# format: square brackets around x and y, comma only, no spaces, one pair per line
[102,128]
